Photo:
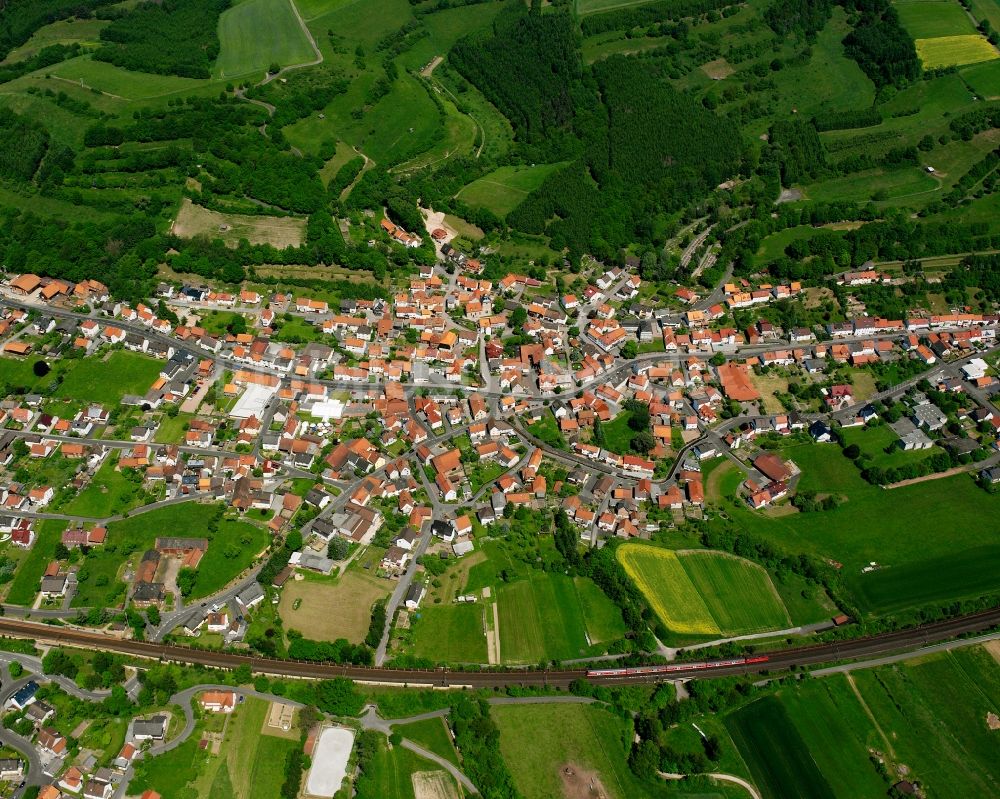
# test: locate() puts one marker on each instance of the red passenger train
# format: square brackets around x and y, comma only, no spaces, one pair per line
[637,671]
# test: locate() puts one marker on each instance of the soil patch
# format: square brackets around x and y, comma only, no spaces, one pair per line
[581,783]
[718,69]
[280,232]
[433,785]
[993,647]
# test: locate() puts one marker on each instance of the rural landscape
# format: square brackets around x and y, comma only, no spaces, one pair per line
[578,399]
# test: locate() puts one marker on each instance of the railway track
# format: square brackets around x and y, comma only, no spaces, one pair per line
[777,660]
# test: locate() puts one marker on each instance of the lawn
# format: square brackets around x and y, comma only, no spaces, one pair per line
[109,493]
[328,610]
[874,441]
[25,585]
[542,618]
[107,381]
[231,550]
[935,529]
[171,429]
[257,33]
[17,374]
[450,633]
[618,435]
[698,592]
[947,51]
[537,741]
[781,763]
[928,19]
[433,735]
[502,190]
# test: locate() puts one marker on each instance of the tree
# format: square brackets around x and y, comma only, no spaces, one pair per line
[153,615]
[630,350]
[186,579]
[599,437]
[293,541]
[16,669]
[338,548]
[243,674]
[852,451]
[643,442]
[338,697]
[40,368]
[518,317]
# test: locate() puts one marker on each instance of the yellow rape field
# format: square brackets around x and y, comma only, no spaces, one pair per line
[948,51]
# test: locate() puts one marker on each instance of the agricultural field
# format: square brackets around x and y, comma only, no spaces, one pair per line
[702,593]
[108,380]
[257,33]
[306,606]
[543,617]
[950,51]
[984,79]
[928,19]
[278,231]
[502,190]
[944,515]
[926,717]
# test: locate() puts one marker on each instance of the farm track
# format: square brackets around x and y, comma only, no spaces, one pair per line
[779,660]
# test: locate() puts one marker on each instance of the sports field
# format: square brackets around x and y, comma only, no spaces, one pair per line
[278,231]
[324,610]
[502,190]
[543,617]
[257,33]
[949,51]
[704,593]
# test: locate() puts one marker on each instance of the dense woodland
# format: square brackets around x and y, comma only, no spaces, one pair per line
[169,37]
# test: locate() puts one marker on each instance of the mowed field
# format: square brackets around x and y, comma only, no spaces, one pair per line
[704,593]
[949,51]
[452,633]
[927,715]
[330,610]
[109,379]
[257,33]
[278,231]
[502,190]
[928,19]
[551,616]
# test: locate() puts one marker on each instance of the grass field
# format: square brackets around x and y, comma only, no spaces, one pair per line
[704,593]
[452,633]
[352,595]
[984,78]
[108,380]
[542,617]
[928,19]
[391,774]
[874,441]
[433,735]
[945,516]
[280,232]
[948,51]
[66,31]
[781,763]
[502,190]
[19,373]
[537,740]
[108,493]
[257,33]
[120,83]
[27,579]
[988,10]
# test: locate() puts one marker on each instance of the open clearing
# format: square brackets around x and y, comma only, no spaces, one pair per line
[331,610]
[280,232]
[539,741]
[700,592]
[502,190]
[949,51]
[257,33]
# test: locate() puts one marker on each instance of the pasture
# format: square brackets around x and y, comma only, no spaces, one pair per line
[542,618]
[702,593]
[984,79]
[928,19]
[950,51]
[538,741]
[502,190]
[278,231]
[257,33]
[325,610]
[109,379]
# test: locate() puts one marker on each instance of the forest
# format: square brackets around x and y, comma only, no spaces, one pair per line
[21,18]
[170,37]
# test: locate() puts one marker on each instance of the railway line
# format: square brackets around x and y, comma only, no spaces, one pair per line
[777,660]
